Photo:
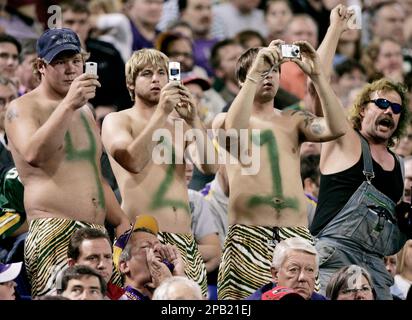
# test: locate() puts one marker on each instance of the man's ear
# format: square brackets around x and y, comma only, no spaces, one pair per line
[124,267]
[130,87]
[362,111]
[274,273]
[71,262]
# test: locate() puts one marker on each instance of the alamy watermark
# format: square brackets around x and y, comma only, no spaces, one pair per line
[55,20]
[228,147]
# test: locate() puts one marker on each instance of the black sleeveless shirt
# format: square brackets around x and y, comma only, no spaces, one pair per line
[336,189]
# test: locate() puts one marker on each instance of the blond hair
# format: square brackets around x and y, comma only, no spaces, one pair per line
[364,97]
[400,265]
[138,61]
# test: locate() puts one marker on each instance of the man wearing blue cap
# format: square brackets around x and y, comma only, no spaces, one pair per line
[56,147]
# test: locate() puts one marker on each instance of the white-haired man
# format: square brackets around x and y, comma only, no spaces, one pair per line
[295,265]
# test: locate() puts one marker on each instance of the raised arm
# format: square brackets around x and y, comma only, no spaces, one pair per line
[133,154]
[37,142]
[333,124]
[339,18]
[240,111]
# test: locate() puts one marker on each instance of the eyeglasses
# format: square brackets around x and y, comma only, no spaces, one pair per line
[363,289]
[385,104]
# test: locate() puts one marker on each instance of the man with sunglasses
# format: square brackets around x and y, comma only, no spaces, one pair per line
[361,179]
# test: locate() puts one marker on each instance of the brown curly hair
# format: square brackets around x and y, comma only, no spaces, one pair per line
[364,96]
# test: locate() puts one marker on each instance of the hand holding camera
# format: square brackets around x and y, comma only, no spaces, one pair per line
[308,59]
[174,71]
[83,87]
[185,107]
[270,55]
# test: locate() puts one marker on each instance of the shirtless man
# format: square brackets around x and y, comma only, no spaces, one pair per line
[269,206]
[129,138]
[56,148]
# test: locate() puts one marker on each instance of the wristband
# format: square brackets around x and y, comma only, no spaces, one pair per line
[251,79]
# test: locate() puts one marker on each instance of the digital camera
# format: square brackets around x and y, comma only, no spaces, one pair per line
[174,71]
[290,51]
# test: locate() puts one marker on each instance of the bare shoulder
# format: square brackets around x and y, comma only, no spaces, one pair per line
[117,118]
[22,106]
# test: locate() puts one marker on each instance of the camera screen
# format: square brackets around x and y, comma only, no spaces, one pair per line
[174,72]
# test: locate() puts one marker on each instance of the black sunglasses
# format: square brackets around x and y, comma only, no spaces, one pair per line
[385,104]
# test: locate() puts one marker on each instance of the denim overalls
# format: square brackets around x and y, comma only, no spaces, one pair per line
[362,233]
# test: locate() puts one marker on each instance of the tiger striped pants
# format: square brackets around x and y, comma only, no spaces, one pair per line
[247,258]
[195,268]
[45,251]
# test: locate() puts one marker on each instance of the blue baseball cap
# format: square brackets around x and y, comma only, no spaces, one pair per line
[54,41]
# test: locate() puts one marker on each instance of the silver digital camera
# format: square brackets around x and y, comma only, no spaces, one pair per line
[290,51]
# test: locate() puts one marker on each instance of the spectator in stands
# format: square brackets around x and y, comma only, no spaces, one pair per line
[343,204]
[383,58]
[350,74]
[300,27]
[319,11]
[160,108]
[54,139]
[350,283]
[92,247]
[110,66]
[181,27]
[144,261]
[295,265]
[144,15]
[403,277]
[27,80]
[391,263]
[387,20]
[10,49]
[244,14]
[82,283]
[8,273]
[224,56]
[178,288]
[250,38]
[8,92]
[277,16]
[259,213]
[404,146]
[198,14]
[179,48]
